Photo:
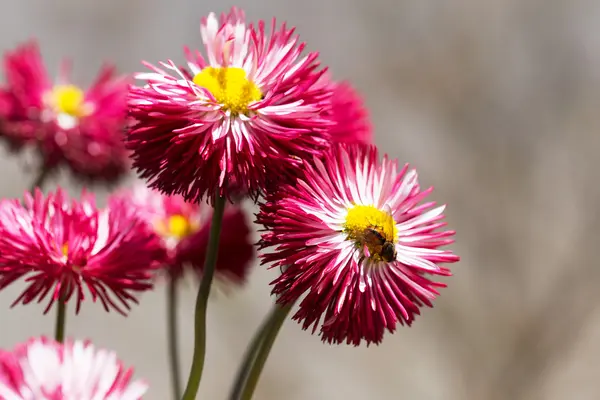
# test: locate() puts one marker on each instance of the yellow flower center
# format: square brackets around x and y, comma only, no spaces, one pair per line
[176,226]
[374,229]
[69,99]
[230,87]
[65,249]
[179,226]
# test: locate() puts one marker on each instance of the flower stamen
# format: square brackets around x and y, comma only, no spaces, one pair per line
[65,249]
[230,87]
[176,226]
[69,100]
[179,226]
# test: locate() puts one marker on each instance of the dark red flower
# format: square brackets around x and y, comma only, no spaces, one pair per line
[184,228]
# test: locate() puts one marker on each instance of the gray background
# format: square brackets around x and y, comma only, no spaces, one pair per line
[497,104]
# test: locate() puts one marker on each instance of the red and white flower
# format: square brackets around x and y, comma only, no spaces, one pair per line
[250,109]
[63,246]
[356,243]
[42,369]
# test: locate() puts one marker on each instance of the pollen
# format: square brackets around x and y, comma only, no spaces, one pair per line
[179,226]
[361,217]
[70,100]
[230,87]
[65,250]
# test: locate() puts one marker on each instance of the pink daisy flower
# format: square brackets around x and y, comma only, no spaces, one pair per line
[351,118]
[82,130]
[62,246]
[355,241]
[184,228]
[252,108]
[42,369]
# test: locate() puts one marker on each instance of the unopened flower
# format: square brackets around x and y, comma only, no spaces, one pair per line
[354,237]
[351,119]
[251,108]
[63,246]
[80,129]
[184,229]
[42,369]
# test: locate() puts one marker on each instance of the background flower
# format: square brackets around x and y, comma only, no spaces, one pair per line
[82,130]
[252,108]
[63,245]
[44,369]
[355,237]
[184,228]
[352,122]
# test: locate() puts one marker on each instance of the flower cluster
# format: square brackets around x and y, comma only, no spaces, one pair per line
[360,247]
[348,231]
[82,130]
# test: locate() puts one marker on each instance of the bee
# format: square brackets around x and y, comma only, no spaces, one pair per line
[375,243]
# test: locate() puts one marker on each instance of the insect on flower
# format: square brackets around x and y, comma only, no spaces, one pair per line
[377,240]
[358,245]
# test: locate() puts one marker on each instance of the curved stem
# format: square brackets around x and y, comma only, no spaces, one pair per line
[40,179]
[172,336]
[277,318]
[202,301]
[249,357]
[59,330]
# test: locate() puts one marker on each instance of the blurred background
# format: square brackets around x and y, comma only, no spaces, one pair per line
[496,103]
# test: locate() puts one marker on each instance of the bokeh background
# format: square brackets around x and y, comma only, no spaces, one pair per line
[497,103]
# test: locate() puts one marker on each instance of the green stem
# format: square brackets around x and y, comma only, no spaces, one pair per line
[59,330]
[202,301]
[250,356]
[40,179]
[277,318]
[172,336]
